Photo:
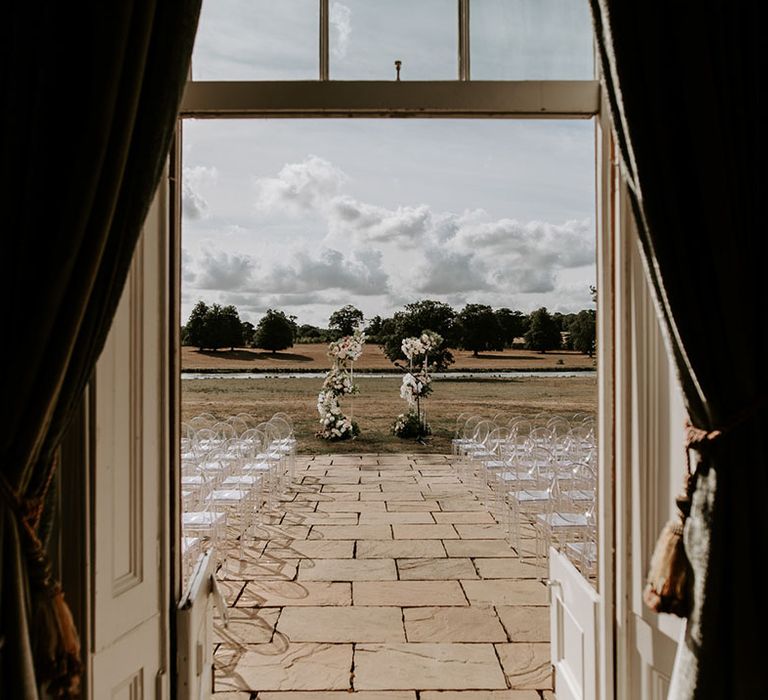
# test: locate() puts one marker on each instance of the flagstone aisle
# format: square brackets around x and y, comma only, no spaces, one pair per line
[385,579]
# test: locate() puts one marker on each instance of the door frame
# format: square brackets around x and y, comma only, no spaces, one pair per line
[441,99]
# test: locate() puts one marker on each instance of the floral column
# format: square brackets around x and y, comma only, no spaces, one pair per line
[416,385]
[339,382]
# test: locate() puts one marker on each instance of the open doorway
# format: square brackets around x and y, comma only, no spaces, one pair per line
[449,245]
[484,222]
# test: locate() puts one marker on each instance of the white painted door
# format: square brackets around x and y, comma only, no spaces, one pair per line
[574,640]
[130,575]
[195,632]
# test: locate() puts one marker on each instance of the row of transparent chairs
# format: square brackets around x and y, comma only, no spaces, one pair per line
[233,473]
[538,476]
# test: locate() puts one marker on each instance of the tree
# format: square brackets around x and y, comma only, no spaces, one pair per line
[275,331]
[543,333]
[583,332]
[512,324]
[309,332]
[194,331]
[249,331]
[413,321]
[231,328]
[374,328]
[346,319]
[479,329]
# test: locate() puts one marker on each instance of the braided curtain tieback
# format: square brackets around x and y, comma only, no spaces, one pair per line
[54,638]
[668,586]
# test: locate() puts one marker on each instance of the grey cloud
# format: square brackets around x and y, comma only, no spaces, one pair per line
[526,280]
[360,273]
[367,223]
[194,205]
[187,273]
[451,272]
[224,271]
[538,243]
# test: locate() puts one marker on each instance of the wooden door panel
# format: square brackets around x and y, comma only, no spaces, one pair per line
[574,619]
[129,483]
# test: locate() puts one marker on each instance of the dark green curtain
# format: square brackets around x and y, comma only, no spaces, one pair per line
[90,95]
[685,85]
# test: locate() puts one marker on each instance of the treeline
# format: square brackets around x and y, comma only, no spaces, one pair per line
[476,327]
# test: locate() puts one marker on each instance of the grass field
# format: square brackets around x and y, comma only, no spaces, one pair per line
[314,357]
[379,402]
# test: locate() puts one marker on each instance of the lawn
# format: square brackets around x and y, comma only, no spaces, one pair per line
[379,403]
[314,357]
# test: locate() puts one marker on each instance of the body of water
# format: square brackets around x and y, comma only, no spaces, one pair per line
[511,374]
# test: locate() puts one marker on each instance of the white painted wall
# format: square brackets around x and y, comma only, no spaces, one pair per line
[650,467]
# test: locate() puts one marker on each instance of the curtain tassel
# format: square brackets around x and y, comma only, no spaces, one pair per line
[55,641]
[668,585]
[57,644]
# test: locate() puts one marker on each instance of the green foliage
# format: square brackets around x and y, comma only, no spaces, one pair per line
[410,425]
[346,319]
[512,324]
[249,332]
[231,328]
[543,333]
[194,332]
[373,329]
[214,327]
[583,332]
[479,329]
[275,331]
[412,322]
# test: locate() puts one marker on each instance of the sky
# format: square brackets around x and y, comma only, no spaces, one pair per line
[309,215]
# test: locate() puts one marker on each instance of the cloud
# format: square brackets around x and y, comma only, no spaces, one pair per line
[223,271]
[367,223]
[451,272]
[299,187]
[193,205]
[360,273]
[341,24]
[398,253]
[188,275]
[526,280]
[538,243]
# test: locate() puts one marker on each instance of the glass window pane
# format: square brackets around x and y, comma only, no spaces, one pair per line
[257,40]
[531,40]
[367,37]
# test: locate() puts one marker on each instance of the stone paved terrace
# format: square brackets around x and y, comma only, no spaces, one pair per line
[383,578]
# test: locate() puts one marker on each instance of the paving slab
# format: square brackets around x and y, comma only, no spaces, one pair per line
[279,593]
[526,665]
[453,624]
[348,624]
[397,549]
[408,593]
[347,570]
[427,666]
[294,666]
[506,592]
[434,569]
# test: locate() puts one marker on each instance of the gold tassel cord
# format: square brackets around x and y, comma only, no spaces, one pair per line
[55,641]
[670,577]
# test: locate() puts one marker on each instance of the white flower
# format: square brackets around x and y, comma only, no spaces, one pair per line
[412,347]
